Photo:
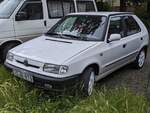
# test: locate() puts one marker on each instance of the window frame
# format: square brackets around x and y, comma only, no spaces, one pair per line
[62,6]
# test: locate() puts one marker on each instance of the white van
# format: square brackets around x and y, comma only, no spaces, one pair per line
[22,20]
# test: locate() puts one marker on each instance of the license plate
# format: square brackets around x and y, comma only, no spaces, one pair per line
[24,75]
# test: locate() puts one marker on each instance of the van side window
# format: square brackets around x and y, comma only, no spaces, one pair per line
[116,26]
[85,6]
[59,8]
[32,10]
[131,26]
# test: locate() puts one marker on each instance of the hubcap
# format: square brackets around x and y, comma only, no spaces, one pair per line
[91,83]
[141,59]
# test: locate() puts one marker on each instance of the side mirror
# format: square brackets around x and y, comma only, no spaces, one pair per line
[114,37]
[21,16]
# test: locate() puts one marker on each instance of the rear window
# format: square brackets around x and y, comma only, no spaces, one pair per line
[85,6]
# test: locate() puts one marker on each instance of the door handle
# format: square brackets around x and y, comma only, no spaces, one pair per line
[124,45]
[45,23]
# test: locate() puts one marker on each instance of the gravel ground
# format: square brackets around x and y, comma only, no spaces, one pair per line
[135,80]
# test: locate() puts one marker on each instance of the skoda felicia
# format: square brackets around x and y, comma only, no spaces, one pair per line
[80,49]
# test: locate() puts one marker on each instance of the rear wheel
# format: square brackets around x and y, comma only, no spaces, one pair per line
[140,60]
[88,80]
[5,50]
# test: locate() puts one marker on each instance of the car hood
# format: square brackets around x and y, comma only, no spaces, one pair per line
[51,50]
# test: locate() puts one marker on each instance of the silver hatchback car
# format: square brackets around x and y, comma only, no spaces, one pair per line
[80,49]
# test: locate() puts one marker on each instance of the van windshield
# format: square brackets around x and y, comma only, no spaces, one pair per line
[80,27]
[7,7]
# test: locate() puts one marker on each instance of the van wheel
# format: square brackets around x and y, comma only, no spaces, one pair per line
[88,79]
[5,50]
[140,60]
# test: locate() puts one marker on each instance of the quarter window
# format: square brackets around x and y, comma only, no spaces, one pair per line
[116,26]
[131,26]
[32,10]
[59,8]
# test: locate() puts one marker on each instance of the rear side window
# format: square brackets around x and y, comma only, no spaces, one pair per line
[60,8]
[85,6]
[132,26]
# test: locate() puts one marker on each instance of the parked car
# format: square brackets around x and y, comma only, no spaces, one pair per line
[22,20]
[80,49]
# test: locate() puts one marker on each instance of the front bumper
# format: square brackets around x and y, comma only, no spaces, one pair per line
[51,83]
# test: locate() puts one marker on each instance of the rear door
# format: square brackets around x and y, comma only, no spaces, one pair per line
[57,9]
[133,36]
[32,23]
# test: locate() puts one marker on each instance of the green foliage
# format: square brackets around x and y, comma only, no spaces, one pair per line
[18,97]
[142,13]
[104,6]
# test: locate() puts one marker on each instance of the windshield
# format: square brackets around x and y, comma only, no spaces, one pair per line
[7,7]
[80,27]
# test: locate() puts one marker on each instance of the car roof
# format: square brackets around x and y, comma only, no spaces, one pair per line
[102,13]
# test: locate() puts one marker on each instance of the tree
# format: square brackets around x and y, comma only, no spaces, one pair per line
[148,7]
[122,5]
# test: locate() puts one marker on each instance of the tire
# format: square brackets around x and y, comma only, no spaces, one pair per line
[5,50]
[140,60]
[88,79]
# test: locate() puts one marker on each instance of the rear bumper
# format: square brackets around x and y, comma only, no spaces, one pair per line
[51,83]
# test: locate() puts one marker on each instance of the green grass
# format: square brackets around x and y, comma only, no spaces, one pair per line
[17,97]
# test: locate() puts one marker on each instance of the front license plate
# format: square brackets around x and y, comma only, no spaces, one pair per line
[24,75]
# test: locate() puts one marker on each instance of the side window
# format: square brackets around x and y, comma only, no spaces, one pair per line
[116,26]
[31,11]
[131,26]
[85,6]
[68,6]
[59,8]
[55,8]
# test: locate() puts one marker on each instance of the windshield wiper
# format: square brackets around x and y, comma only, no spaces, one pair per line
[73,36]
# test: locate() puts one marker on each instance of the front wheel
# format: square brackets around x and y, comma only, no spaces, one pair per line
[88,81]
[140,60]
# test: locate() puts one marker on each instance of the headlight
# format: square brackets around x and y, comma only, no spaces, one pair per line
[10,56]
[56,69]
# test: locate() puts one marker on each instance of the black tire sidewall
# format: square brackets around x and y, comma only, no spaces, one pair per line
[85,80]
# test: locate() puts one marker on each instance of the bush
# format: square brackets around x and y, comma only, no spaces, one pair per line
[104,6]
[141,12]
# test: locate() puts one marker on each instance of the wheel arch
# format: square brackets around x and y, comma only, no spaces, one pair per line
[95,66]
[10,41]
[4,44]
[145,48]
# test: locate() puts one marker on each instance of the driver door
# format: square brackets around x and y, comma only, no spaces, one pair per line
[114,51]
[29,21]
